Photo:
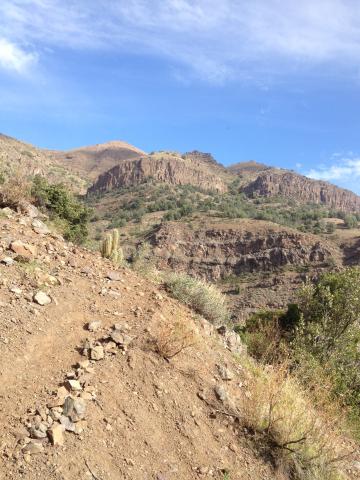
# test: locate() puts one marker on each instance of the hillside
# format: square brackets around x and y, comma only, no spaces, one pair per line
[92,161]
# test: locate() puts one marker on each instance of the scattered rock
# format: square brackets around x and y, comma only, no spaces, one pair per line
[56,434]
[225,373]
[24,249]
[114,276]
[40,227]
[7,261]
[33,447]
[94,325]
[41,298]
[73,385]
[221,393]
[97,353]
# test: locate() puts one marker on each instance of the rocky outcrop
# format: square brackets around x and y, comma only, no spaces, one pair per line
[170,169]
[303,189]
[221,250]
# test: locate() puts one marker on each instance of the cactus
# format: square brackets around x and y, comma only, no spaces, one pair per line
[110,247]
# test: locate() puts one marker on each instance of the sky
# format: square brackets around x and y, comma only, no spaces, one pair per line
[276,81]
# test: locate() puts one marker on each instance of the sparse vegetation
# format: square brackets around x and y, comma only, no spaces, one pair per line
[319,336]
[173,338]
[63,208]
[302,438]
[203,297]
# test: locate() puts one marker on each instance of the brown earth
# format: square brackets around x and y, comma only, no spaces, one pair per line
[92,161]
[149,418]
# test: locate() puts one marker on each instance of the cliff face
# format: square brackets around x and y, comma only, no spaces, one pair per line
[304,189]
[170,169]
[221,250]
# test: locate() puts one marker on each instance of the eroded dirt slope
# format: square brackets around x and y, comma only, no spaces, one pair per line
[145,417]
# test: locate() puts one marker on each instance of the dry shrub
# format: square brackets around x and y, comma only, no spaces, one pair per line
[15,189]
[172,339]
[301,436]
[203,297]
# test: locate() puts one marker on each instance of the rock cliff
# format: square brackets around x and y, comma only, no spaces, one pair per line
[167,168]
[303,189]
[218,251]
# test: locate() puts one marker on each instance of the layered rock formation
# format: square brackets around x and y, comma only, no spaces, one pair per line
[167,168]
[303,189]
[219,250]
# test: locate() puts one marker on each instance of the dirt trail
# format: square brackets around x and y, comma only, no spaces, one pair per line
[147,418]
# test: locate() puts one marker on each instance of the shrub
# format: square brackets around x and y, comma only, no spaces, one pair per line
[204,298]
[173,339]
[350,221]
[14,189]
[61,204]
[303,440]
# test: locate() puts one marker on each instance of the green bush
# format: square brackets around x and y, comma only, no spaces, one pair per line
[61,204]
[204,298]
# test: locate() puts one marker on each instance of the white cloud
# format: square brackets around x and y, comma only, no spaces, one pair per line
[346,172]
[213,40]
[14,58]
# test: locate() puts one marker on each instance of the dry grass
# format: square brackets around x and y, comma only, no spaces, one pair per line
[15,189]
[172,339]
[203,297]
[301,437]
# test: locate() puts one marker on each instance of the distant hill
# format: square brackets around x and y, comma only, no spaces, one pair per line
[90,162]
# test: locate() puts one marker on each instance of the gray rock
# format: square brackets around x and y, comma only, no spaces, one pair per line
[40,227]
[94,325]
[225,373]
[68,406]
[41,298]
[114,276]
[7,261]
[97,353]
[33,447]
[67,423]
[221,393]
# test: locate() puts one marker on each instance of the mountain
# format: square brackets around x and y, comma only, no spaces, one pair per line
[92,161]
[164,167]
[289,184]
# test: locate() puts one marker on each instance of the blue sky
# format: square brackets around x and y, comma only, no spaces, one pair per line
[267,80]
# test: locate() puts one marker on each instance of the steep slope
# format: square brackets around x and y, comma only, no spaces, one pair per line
[92,161]
[139,416]
[19,158]
[303,189]
[163,167]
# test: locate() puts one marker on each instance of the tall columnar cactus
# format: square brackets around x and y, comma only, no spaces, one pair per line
[110,247]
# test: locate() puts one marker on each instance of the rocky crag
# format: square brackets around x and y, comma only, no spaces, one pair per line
[160,167]
[220,250]
[303,189]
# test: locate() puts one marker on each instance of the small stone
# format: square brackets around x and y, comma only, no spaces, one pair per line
[68,406]
[56,434]
[24,249]
[41,298]
[97,353]
[94,325]
[40,227]
[7,261]
[225,373]
[68,425]
[114,276]
[80,426]
[79,409]
[221,393]
[33,447]
[16,290]
[74,385]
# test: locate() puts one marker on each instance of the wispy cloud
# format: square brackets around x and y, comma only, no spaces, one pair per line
[345,171]
[14,58]
[213,40]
